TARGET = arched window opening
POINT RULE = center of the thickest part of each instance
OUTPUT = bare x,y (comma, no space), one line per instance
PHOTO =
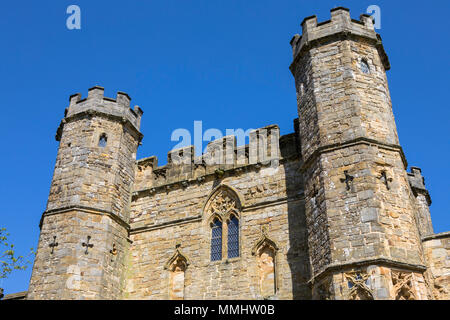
364,66
216,240
223,206
265,251
177,266
233,237
176,279
103,140
267,272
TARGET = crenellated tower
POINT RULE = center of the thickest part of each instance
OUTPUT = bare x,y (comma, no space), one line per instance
363,234
85,228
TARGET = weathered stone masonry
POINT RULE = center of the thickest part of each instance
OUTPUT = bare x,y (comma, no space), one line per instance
337,217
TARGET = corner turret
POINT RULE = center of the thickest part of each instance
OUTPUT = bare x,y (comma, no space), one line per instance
88,209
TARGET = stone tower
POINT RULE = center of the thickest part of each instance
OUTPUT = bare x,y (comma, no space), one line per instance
361,211
84,230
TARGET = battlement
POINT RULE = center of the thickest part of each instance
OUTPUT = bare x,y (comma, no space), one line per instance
417,183
222,156
340,26
97,103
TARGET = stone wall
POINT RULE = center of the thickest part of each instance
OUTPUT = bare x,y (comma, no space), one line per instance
176,221
437,253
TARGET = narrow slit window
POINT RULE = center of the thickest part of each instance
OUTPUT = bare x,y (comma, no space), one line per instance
103,140
233,237
216,240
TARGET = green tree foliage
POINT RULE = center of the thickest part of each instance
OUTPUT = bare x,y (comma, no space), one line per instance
9,261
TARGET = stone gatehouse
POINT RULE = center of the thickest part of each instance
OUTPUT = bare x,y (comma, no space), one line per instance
338,216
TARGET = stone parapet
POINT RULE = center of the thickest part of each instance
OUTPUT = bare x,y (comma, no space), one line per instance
417,183
340,26
437,253
222,157
97,104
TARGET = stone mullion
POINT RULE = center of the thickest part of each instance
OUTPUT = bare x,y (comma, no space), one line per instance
225,239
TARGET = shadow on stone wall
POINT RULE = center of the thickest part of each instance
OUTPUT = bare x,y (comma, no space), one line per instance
297,255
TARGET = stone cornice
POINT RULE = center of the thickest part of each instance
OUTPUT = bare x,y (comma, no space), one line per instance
91,113
16,296
198,218
274,202
85,209
183,182
379,261
340,36
135,230
362,140
441,235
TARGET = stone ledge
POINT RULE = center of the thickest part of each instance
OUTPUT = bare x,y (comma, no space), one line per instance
165,224
197,218
91,113
16,296
90,210
275,202
440,235
362,140
381,261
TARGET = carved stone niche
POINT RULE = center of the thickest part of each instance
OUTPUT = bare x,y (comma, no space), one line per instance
265,250
403,285
357,284
177,266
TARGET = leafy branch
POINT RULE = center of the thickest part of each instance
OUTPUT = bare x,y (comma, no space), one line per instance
9,261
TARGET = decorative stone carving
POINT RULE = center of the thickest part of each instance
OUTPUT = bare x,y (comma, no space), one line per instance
223,202
264,241
53,244
440,288
357,285
403,287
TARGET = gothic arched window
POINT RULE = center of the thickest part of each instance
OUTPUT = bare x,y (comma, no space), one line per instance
222,215
216,240
233,237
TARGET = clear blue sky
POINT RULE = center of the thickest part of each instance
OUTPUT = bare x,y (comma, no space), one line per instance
222,62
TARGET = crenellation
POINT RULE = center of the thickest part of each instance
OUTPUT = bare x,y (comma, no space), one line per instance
221,154
96,103
340,26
